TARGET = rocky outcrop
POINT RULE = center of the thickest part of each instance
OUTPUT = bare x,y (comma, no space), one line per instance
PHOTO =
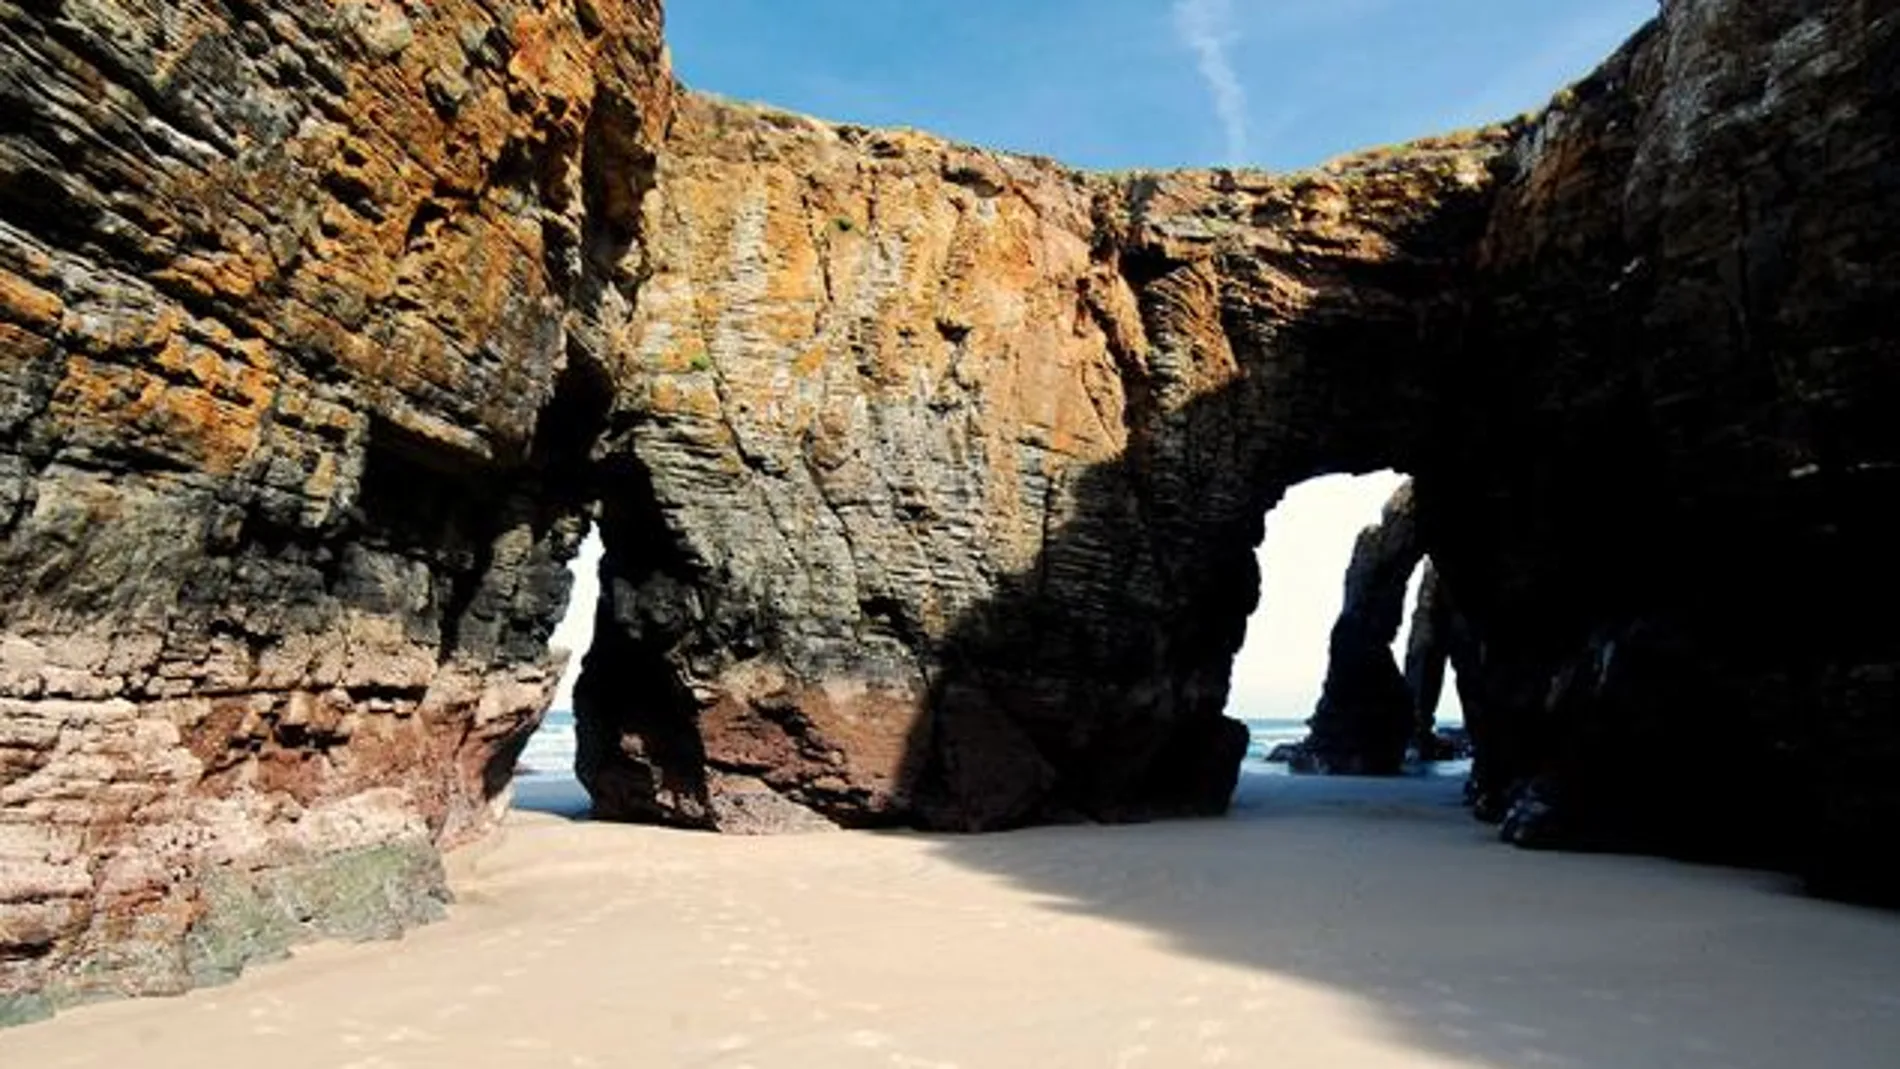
946,466
295,300
1661,497
1427,654
1366,717
928,477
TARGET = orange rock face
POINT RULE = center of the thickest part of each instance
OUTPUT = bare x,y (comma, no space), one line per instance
948,448
285,292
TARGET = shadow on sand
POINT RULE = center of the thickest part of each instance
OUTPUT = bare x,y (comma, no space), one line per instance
1092,687
1388,891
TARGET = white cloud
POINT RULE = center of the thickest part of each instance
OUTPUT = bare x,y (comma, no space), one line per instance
1207,27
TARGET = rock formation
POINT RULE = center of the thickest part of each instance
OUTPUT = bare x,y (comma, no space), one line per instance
950,464
1366,716
1657,492
289,300
1427,653
929,477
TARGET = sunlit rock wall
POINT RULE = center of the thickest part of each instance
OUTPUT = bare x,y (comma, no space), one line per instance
945,467
287,292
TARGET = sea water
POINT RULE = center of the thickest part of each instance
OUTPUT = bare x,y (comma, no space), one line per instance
1264,734
544,777
544,780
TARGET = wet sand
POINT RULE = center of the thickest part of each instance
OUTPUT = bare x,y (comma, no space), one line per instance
1327,923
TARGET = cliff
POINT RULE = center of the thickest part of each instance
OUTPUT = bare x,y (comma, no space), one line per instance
1658,494
950,464
285,294
929,477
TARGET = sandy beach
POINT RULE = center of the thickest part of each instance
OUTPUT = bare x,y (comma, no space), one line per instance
1343,923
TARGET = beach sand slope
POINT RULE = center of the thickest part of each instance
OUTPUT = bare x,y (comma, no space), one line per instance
1326,923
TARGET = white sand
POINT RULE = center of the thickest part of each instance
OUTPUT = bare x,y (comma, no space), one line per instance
1326,924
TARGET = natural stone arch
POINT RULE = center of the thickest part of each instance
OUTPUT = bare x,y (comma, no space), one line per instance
940,467
965,455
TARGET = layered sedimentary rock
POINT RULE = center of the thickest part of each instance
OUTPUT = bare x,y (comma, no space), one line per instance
288,299
946,466
929,477
1662,492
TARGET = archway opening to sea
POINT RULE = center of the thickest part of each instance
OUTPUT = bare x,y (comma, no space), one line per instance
545,780
1298,635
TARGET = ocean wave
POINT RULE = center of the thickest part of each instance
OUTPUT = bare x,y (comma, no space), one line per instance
550,750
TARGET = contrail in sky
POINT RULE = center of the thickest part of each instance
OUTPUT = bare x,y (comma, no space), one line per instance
1207,26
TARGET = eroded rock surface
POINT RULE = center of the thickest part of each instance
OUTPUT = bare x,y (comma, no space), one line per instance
929,477
1427,654
288,300
1664,505
1366,717
951,463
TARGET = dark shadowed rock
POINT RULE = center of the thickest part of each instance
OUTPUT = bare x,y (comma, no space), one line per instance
1668,444
1427,651
1366,716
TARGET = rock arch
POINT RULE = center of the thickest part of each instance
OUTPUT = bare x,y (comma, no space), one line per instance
968,455
929,476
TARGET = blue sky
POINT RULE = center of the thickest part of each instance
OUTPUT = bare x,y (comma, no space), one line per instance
1152,83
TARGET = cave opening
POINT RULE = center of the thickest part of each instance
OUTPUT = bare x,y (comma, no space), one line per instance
619,740
545,780
1343,668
